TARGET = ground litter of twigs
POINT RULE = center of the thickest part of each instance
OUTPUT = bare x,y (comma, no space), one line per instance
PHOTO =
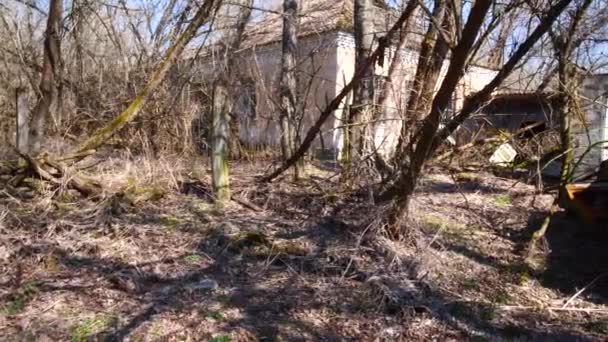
292,262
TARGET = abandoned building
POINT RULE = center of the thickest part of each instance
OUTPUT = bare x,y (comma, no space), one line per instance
514,110
326,63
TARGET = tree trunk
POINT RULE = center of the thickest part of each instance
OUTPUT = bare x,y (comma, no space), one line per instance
429,137
565,44
223,94
360,110
407,180
389,88
497,52
337,101
397,60
22,120
437,57
418,83
219,142
289,85
565,112
100,136
425,60
51,61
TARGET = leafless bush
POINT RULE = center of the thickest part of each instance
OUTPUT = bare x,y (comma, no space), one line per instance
108,51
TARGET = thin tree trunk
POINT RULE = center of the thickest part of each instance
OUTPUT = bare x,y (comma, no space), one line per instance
389,88
567,88
565,112
337,101
223,94
51,62
497,52
364,91
100,136
220,141
22,120
484,94
400,49
424,61
289,85
437,57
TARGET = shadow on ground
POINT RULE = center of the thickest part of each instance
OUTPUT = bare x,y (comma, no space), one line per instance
319,296
575,256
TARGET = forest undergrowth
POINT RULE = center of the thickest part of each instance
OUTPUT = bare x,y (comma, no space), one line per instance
154,259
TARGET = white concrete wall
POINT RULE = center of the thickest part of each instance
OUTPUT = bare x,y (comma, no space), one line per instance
262,66
388,130
329,60
594,128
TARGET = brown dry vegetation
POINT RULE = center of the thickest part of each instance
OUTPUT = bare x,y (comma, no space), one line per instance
156,260
150,254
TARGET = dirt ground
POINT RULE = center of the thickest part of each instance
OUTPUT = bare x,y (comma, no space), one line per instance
157,261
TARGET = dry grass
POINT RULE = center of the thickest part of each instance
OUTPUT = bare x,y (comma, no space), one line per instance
302,267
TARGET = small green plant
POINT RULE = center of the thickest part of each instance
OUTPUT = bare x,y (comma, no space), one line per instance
170,222
487,312
18,300
500,296
138,194
223,338
193,258
15,305
434,222
470,283
83,331
479,338
460,310
156,332
600,327
224,299
215,315
467,177
503,200
449,227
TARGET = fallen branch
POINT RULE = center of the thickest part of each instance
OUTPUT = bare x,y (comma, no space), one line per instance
246,204
529,307
583,289
501,138
53,172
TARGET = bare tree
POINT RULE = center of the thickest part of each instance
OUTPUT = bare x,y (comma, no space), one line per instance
564,36
364,92
428,137
289,83
342,95
223,92
563,42
100,136
433,52
21,110
50,66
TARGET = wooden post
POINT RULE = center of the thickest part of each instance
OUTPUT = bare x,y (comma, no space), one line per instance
219,143
22,120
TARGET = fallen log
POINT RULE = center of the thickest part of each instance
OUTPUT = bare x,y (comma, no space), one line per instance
49,170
